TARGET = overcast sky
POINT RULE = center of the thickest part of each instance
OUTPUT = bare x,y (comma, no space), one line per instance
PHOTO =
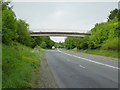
63,16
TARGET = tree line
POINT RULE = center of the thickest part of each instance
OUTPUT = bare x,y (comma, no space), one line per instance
105,35
17,30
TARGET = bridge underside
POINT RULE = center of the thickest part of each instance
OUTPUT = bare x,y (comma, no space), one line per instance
56,35
60,34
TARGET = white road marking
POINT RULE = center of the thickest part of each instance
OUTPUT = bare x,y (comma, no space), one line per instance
81,66
89,60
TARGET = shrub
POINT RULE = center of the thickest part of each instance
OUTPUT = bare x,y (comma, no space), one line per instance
111,44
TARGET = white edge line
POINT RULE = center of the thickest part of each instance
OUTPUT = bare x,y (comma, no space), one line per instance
90,60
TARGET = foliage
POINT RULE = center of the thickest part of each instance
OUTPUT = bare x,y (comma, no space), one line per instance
8,24
36,41
111,44
113,14
18,30
82,43
41,41
102,52
19,61
102,32
23,32
48,41
104,35
78,42
70,42
18,65
43,45
59,45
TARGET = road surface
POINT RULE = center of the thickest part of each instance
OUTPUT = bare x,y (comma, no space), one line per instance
80,70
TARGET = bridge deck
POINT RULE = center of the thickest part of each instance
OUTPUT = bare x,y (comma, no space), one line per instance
59,34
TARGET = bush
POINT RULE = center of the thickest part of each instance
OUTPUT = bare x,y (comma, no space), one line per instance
43,45
111,44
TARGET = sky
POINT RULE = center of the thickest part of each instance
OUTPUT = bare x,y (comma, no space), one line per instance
63,16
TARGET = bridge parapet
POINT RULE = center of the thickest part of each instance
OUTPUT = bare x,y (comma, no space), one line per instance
67,34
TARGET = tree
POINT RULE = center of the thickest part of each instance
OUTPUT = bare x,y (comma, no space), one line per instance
102,35
23,33
43,45
70,43
114,14
8,24
39,40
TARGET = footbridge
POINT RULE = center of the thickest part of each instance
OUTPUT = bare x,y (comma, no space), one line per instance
62,34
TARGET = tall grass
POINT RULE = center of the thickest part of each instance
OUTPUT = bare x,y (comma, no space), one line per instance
111,44
0,66
108,53
19,63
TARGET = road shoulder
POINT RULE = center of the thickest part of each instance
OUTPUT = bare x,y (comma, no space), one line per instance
46,77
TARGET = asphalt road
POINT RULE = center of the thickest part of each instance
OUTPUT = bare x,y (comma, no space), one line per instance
80,70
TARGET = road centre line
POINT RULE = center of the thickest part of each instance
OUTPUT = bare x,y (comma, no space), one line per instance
89,60
81,66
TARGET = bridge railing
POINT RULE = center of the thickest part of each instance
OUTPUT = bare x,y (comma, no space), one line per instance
59,34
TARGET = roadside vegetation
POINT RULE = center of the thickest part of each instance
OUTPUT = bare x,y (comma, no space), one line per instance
100,52
17,30
103,41
21,53
19,64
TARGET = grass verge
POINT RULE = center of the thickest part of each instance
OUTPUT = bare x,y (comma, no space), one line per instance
0,66
113,54
18,65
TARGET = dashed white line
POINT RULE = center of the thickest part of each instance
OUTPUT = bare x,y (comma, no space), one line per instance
89,60
81,66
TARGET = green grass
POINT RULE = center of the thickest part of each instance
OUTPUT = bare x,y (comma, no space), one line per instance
0,66
101,52
19,64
